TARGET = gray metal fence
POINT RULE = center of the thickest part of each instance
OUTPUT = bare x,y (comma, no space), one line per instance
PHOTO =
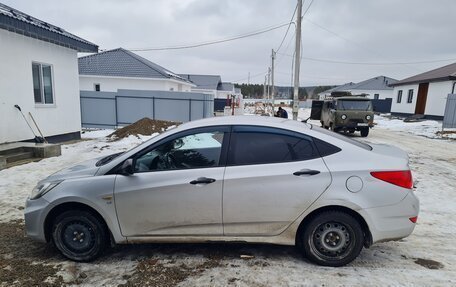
382,106
113,109
449,118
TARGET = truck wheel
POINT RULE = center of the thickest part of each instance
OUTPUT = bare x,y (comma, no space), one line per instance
332,238
364,132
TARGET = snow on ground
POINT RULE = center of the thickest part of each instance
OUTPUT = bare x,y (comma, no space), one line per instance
432,161
17,182
427,128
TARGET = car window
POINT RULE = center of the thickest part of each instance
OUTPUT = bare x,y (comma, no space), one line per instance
261,145
199,150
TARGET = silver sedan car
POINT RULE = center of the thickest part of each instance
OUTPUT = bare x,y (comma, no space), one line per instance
240,179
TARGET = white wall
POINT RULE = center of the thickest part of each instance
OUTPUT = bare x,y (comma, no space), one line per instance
403,106
16,87
111,84
436,98
435,102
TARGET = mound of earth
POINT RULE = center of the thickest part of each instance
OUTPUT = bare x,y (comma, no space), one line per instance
144,126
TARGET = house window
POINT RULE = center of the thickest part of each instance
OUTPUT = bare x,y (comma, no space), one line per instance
410,96
42,83
376,96
399,96
97,87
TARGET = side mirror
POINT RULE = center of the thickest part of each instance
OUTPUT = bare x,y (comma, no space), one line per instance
127,167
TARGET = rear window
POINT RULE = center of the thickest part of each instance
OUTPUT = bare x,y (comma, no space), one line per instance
341,137
264,145
354,105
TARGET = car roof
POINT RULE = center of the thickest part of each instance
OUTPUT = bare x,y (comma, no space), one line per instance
246,120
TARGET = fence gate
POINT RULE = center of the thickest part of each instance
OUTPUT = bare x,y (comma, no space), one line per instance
449,118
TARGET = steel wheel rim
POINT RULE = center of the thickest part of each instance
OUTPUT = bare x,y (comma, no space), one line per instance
332,240
78,236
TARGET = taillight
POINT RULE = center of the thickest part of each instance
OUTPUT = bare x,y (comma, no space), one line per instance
413,219
401,178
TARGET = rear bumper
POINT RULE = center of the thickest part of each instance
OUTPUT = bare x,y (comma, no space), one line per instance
392,222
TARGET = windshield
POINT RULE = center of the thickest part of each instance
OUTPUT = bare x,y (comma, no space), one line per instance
354,105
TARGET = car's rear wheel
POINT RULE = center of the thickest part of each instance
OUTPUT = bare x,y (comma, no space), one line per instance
364,132
79,235
332,238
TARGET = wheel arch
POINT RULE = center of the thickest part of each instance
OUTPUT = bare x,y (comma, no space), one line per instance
66,206
356,215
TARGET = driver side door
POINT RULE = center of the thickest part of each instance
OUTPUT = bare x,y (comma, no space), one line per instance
176,188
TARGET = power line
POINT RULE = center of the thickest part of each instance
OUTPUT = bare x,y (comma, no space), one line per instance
251,77
196,45
288,28
369,63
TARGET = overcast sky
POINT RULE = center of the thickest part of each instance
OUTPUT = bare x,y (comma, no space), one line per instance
386,31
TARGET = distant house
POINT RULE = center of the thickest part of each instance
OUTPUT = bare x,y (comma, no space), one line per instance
40,74
212,84
116,69
375,88
424,94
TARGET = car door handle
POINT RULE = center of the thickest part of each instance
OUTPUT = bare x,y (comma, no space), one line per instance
306,172
202,180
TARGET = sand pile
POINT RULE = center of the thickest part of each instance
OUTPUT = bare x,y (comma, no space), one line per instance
144,126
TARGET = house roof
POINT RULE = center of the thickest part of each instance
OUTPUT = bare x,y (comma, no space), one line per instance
229,87
18,22
206,82
377,83
343,87
123,63
447,72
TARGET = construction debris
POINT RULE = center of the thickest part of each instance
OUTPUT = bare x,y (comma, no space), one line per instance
144,126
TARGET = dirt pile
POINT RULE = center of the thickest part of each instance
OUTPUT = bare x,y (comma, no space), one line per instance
144,126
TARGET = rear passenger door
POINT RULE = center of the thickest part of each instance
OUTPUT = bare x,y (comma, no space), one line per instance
272,176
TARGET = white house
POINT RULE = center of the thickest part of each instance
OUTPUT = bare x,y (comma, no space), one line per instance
424,94
39,74
116,69
212,84
375,88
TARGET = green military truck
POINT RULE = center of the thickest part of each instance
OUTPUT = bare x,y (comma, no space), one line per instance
344,112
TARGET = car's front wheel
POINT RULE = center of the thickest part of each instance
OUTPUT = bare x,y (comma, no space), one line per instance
332,238
79,235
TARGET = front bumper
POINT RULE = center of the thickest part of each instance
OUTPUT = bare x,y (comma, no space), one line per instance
392,222
35,214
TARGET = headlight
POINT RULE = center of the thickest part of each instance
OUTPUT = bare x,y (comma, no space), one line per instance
368,117
343,117
42,188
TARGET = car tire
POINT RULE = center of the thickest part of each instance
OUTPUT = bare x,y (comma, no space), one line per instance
365,132
79,235
332,238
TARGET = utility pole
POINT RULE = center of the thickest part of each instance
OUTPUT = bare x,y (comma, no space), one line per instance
297,62
248,79
264,86
272,80
269,85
